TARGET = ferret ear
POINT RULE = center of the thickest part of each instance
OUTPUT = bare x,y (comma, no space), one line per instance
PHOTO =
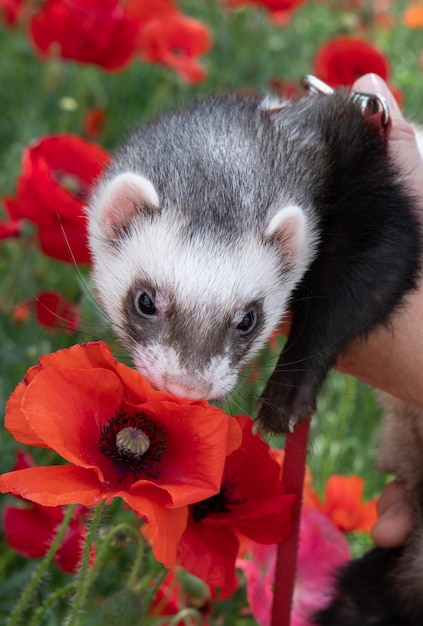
288,227
125,197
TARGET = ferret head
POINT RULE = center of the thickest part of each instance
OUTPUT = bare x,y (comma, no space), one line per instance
192,308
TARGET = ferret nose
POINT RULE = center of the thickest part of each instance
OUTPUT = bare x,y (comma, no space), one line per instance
189,393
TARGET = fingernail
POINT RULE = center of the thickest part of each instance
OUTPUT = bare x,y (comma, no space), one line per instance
372,83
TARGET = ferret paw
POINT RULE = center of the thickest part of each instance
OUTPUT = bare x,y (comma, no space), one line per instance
280,413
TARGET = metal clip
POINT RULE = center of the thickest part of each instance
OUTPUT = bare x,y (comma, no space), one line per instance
370,103
315,86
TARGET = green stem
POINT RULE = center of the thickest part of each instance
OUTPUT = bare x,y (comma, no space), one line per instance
132,579
51,600
149,586
82,586
124,526
45,563
186,614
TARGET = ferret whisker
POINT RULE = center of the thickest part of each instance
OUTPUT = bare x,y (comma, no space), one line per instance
77,268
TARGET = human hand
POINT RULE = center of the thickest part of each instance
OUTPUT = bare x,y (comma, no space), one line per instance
392,359
403,146
395,517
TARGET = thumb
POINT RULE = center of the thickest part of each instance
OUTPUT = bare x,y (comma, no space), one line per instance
374,84
402,139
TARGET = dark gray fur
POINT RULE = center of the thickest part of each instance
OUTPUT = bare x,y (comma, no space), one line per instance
221,163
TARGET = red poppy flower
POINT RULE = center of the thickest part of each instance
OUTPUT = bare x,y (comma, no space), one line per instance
177,41
10,229
94,121
51,192
342,60
122,439
251,502
54,311
343,504
280,10
31,530
11,10
143,12
271,5
21,313
93,31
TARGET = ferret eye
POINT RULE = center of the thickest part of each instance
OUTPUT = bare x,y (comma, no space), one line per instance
248,323
144,304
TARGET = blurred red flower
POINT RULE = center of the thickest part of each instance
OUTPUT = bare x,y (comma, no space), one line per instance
279,10
251,503
93,31
9,229
54,311
11,10
176,41
143,12
342,60
122,439
51,192
343,504
30,530
94,121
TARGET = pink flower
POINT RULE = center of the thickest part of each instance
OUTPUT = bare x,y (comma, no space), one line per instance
322,549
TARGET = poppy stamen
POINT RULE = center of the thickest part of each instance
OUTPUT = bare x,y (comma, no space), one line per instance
134,443
220,503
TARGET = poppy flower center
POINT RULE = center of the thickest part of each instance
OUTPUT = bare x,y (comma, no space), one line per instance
220,503
135,444
71,182
132,440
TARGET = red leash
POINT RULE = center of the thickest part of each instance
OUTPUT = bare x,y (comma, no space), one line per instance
286,562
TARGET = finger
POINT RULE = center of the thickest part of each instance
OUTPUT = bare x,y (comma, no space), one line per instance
395,517
402,140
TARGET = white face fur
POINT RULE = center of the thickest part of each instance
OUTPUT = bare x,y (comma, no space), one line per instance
191,312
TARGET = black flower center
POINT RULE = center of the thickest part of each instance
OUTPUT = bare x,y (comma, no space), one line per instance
220,503
134,443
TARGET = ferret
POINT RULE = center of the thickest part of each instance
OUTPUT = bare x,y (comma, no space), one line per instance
384,587
217,220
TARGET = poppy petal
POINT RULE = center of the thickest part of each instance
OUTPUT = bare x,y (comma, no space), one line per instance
17,523
191,468
54,485
265,521
164,530
66,406
214,566
16,422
